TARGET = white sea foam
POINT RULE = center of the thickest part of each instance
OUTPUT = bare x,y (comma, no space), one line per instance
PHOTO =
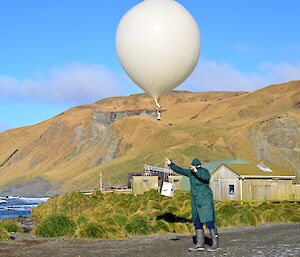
9,197
34,200
15,206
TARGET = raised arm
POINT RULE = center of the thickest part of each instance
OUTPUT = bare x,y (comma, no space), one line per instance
184,172
203,175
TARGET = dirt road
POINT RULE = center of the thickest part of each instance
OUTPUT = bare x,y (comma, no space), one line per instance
269,240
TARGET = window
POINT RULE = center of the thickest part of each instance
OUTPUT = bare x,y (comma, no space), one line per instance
145,180
176,180
231,189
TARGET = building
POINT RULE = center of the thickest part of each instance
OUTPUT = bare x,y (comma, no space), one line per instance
162,173
211,166
182,182
129,178
142,184
253,182
177,181
152,178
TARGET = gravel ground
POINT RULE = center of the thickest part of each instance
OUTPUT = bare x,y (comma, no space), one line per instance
267,240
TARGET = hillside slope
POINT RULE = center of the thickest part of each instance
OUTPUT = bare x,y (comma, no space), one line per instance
118,135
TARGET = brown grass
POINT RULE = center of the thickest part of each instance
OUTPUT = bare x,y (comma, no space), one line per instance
218,131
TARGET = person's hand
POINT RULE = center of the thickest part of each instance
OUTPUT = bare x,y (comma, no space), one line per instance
193,168
167,161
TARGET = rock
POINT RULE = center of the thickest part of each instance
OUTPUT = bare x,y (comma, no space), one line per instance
35,187
275,140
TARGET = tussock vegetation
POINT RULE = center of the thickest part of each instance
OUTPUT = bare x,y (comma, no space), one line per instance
10,225
116,216
56,225
7,226
4,235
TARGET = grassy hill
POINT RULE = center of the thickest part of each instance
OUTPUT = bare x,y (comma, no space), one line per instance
118,135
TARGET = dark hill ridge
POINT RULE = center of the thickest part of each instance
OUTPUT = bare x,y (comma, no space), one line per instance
118,135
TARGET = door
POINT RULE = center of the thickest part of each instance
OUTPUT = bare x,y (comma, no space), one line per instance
217,190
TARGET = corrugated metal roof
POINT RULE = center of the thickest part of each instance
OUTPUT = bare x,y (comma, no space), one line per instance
252,170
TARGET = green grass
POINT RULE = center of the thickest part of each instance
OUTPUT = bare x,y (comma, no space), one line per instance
10,225
115,216
7,226
138,225
4,235
55,226
92,230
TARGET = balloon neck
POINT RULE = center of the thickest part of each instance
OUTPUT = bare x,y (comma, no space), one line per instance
157,104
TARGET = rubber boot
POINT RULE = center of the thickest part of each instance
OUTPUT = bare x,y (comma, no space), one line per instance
215,240
199,241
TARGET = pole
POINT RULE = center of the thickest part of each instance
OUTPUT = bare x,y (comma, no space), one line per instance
100,184
241,189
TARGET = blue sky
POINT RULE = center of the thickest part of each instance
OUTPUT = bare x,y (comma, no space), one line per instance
55,54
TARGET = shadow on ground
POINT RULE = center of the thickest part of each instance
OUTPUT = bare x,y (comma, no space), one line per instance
171,218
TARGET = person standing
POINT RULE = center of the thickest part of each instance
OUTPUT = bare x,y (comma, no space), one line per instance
203,210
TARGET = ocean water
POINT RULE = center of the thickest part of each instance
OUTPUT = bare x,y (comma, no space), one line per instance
12,207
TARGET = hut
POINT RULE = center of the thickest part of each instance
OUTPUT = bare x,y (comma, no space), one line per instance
211,166
129,178
177,181
253,182
141,184
153,178
162,173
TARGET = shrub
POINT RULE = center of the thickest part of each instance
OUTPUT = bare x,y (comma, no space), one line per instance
82,220
270,215
116,216
10,225
121,220
247,217
4,235
180,228
92,230
133,208
162,226
153,195
138,226
171,209
187,214
56,225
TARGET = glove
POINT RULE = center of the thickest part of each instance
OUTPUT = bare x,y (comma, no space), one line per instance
193,168
168,161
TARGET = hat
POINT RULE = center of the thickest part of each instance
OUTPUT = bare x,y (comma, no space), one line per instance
196,162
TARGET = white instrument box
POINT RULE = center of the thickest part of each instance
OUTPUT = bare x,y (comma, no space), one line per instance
167,189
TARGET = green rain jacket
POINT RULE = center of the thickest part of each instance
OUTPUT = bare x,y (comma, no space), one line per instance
201,194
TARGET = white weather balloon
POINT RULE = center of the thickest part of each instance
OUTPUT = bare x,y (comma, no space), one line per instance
158,44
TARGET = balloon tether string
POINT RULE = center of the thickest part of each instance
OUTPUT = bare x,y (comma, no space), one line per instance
157,104
158,113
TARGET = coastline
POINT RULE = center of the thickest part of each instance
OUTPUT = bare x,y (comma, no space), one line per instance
14,207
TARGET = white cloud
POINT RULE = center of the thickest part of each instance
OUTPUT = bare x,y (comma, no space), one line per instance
75,83
218,76
214,76
86,83
281,72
